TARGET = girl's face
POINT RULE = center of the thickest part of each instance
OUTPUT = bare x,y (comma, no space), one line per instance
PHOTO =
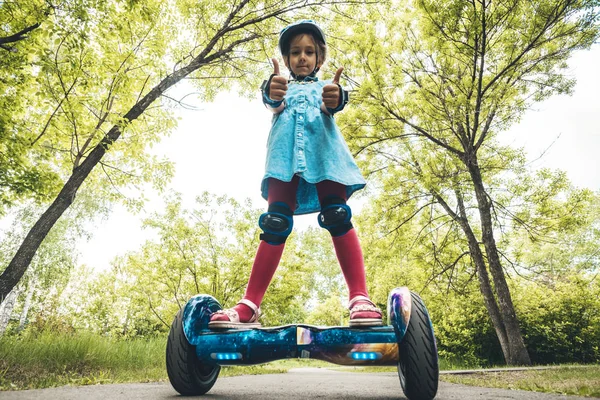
303,56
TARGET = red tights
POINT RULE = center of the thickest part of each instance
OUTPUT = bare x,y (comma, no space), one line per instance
347,248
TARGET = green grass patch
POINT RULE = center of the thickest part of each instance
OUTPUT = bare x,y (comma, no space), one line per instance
567,380
49,360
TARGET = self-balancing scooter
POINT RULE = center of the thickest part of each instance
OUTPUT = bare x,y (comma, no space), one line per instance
196,353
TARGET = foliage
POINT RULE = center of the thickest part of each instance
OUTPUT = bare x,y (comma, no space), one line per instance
427,91
54,358
436,82
463,330
85,65
23,173
552,276
329,312
40,291
113,115
207,250
66,88
51,359
553,227
319,257
561,320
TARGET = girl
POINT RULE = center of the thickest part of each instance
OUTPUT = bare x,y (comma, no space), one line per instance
309,168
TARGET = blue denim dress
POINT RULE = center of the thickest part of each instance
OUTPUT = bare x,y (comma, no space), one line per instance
306,142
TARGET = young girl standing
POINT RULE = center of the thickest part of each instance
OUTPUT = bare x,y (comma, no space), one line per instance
309,168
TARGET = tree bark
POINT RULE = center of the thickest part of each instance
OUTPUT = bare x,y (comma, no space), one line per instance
6,309
517,354
21,35
27,304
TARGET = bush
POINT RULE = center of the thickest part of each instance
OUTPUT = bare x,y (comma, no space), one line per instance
463,329
561,321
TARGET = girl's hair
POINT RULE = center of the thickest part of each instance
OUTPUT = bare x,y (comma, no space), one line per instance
320,46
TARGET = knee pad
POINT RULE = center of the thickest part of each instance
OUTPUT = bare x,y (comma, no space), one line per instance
276,223
335,216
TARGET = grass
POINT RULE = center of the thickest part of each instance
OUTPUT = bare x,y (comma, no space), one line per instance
49,360
569,380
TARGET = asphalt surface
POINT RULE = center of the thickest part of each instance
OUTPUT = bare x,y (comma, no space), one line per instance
301,383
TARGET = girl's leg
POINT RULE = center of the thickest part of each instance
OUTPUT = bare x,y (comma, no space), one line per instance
348,252
267,256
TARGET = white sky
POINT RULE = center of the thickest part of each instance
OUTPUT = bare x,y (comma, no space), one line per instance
221,149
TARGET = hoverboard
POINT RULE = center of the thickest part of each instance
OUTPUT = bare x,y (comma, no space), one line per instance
196,353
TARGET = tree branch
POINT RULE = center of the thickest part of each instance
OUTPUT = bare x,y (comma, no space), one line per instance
21,35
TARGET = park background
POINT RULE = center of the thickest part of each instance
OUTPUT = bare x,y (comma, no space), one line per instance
173,211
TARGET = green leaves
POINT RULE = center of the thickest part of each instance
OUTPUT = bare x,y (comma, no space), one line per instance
71,80
208,249
434,85
560,320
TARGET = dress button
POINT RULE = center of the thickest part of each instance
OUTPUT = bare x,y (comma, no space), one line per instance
300,117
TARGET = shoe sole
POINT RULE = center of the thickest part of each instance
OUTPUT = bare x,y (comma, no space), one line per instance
233,325
366,322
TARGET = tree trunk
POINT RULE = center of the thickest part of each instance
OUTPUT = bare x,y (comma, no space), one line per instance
484,281
6,309
27,305
517,351
482,274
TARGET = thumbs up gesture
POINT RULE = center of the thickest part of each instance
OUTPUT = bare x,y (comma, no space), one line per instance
331,92
278,86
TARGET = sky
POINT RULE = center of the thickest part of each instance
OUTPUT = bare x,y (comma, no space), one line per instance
221,148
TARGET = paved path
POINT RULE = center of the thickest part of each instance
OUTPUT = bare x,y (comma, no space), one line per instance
300,383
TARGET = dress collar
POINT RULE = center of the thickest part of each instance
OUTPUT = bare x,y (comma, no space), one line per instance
306,79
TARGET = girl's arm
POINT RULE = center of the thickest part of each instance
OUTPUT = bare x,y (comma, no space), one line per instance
280,108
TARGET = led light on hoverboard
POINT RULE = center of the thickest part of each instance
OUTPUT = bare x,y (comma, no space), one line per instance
226,356
368,355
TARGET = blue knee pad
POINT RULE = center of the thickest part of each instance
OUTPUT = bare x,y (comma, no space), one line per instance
335,216
276,223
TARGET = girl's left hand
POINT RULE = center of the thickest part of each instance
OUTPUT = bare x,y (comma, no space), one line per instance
331,91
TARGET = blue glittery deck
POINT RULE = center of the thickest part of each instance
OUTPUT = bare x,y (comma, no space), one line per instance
339,345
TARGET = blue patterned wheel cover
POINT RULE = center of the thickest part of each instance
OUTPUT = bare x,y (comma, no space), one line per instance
196,314
399,306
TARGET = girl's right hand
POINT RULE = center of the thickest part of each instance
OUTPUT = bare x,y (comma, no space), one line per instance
278,86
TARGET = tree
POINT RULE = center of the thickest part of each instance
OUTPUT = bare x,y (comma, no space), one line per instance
549,235
437,82
24,173
51,268
209,250
107,66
